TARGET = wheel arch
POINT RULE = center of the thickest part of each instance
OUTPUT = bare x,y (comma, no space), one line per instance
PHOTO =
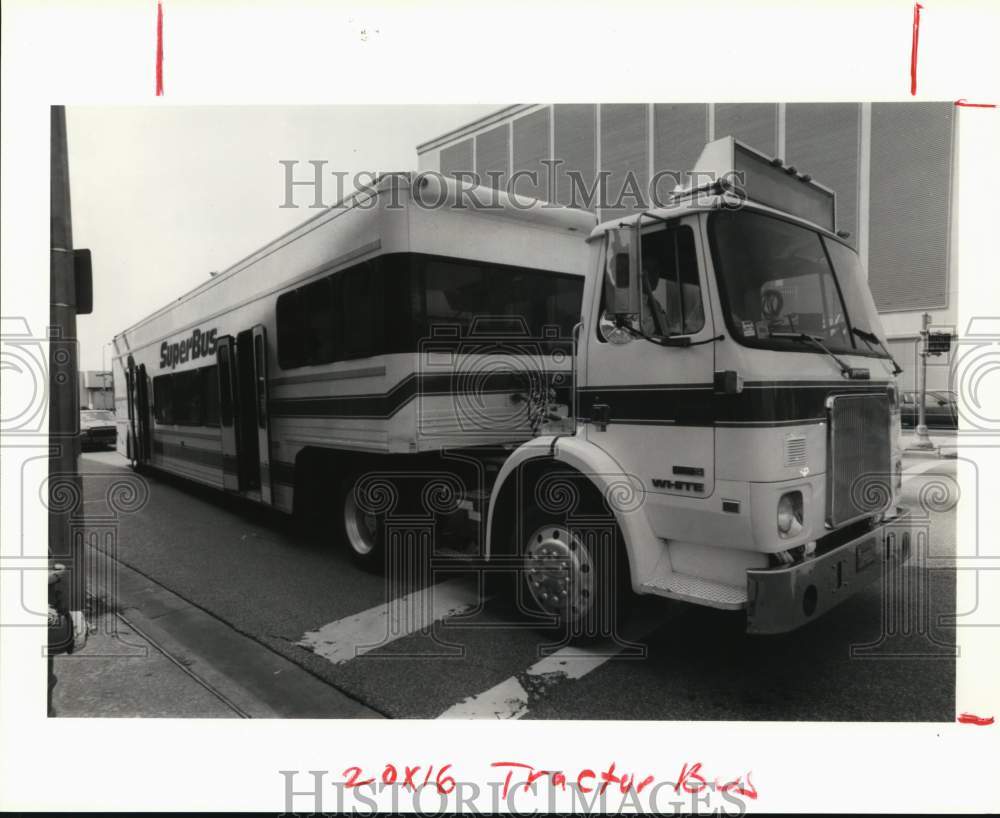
624,494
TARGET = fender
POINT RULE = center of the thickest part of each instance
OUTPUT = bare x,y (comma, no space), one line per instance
625,494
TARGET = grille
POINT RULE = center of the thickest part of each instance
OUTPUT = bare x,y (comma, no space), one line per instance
859,478
795,451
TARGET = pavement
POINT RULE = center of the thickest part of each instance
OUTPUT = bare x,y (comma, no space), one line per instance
151,653
208,607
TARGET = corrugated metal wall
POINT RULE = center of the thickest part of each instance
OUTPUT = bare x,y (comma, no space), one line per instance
680,131
625,156
457,158
531,145
910,190
823,139
911,153
575,144
493,157
755,123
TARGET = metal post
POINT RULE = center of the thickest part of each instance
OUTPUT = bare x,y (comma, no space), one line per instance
64,395
923,441
105,385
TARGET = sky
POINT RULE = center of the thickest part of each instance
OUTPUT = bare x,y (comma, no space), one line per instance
164,196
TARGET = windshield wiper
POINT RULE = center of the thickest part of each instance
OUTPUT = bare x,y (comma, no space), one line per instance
854,373
871,338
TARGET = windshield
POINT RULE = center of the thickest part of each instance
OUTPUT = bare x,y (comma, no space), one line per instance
97,415
861,309
776,279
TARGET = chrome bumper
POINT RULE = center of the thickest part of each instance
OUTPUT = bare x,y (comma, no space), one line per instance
783,599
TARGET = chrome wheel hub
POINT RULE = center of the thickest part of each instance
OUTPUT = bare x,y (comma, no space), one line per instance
361,528
558,571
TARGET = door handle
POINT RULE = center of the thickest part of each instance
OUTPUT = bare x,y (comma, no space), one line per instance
600,416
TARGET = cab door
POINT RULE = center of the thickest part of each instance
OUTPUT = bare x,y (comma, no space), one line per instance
648,404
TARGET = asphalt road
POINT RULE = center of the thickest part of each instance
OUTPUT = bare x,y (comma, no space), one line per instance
299,594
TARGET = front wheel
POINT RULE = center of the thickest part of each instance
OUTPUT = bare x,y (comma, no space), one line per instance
573,573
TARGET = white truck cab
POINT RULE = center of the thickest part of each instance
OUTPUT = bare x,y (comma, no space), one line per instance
736,409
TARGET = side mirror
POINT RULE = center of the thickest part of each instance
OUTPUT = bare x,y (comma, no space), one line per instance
622,272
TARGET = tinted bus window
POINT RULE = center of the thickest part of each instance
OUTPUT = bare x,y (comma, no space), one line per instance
289,321
210,391
488,297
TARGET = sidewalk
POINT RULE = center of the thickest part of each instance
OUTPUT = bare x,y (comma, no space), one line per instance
118,673
150,653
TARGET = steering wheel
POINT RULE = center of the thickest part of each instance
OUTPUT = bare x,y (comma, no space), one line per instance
771,303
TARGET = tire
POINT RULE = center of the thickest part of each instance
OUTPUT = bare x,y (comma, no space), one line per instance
363,530
573,572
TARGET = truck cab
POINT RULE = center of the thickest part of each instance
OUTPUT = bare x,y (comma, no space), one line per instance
736,433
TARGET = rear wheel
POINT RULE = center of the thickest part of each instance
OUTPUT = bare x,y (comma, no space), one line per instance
364,530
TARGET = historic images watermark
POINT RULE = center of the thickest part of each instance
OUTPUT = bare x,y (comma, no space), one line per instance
312,185
515,787
88,506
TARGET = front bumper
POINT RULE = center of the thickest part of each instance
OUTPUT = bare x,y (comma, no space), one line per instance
100,436
783,599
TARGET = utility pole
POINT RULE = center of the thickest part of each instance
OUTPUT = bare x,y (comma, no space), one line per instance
70,293
923,441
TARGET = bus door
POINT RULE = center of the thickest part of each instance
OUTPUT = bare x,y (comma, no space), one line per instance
144,410
245,423
139,443
130,438
263,424
225,354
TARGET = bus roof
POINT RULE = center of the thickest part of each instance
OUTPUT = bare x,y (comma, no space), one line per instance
426,190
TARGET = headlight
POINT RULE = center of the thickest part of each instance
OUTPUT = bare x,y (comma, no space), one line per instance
790,514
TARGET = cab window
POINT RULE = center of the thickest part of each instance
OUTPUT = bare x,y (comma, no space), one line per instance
671,294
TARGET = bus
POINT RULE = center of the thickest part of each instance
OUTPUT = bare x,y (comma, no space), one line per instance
694,401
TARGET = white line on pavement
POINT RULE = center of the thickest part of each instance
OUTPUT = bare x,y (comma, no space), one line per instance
353,636
510,699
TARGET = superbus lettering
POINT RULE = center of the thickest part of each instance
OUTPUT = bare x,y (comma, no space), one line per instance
198,345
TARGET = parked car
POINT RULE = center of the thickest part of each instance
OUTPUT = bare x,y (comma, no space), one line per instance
940,409
97,429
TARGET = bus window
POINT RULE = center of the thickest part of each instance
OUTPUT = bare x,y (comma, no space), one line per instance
361,314
226,389
210,394
163,399
290,336
316,316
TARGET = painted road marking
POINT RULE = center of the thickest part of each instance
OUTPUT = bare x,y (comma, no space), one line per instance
510,699
356,635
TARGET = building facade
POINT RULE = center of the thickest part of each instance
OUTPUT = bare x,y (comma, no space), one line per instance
96,390
892,166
